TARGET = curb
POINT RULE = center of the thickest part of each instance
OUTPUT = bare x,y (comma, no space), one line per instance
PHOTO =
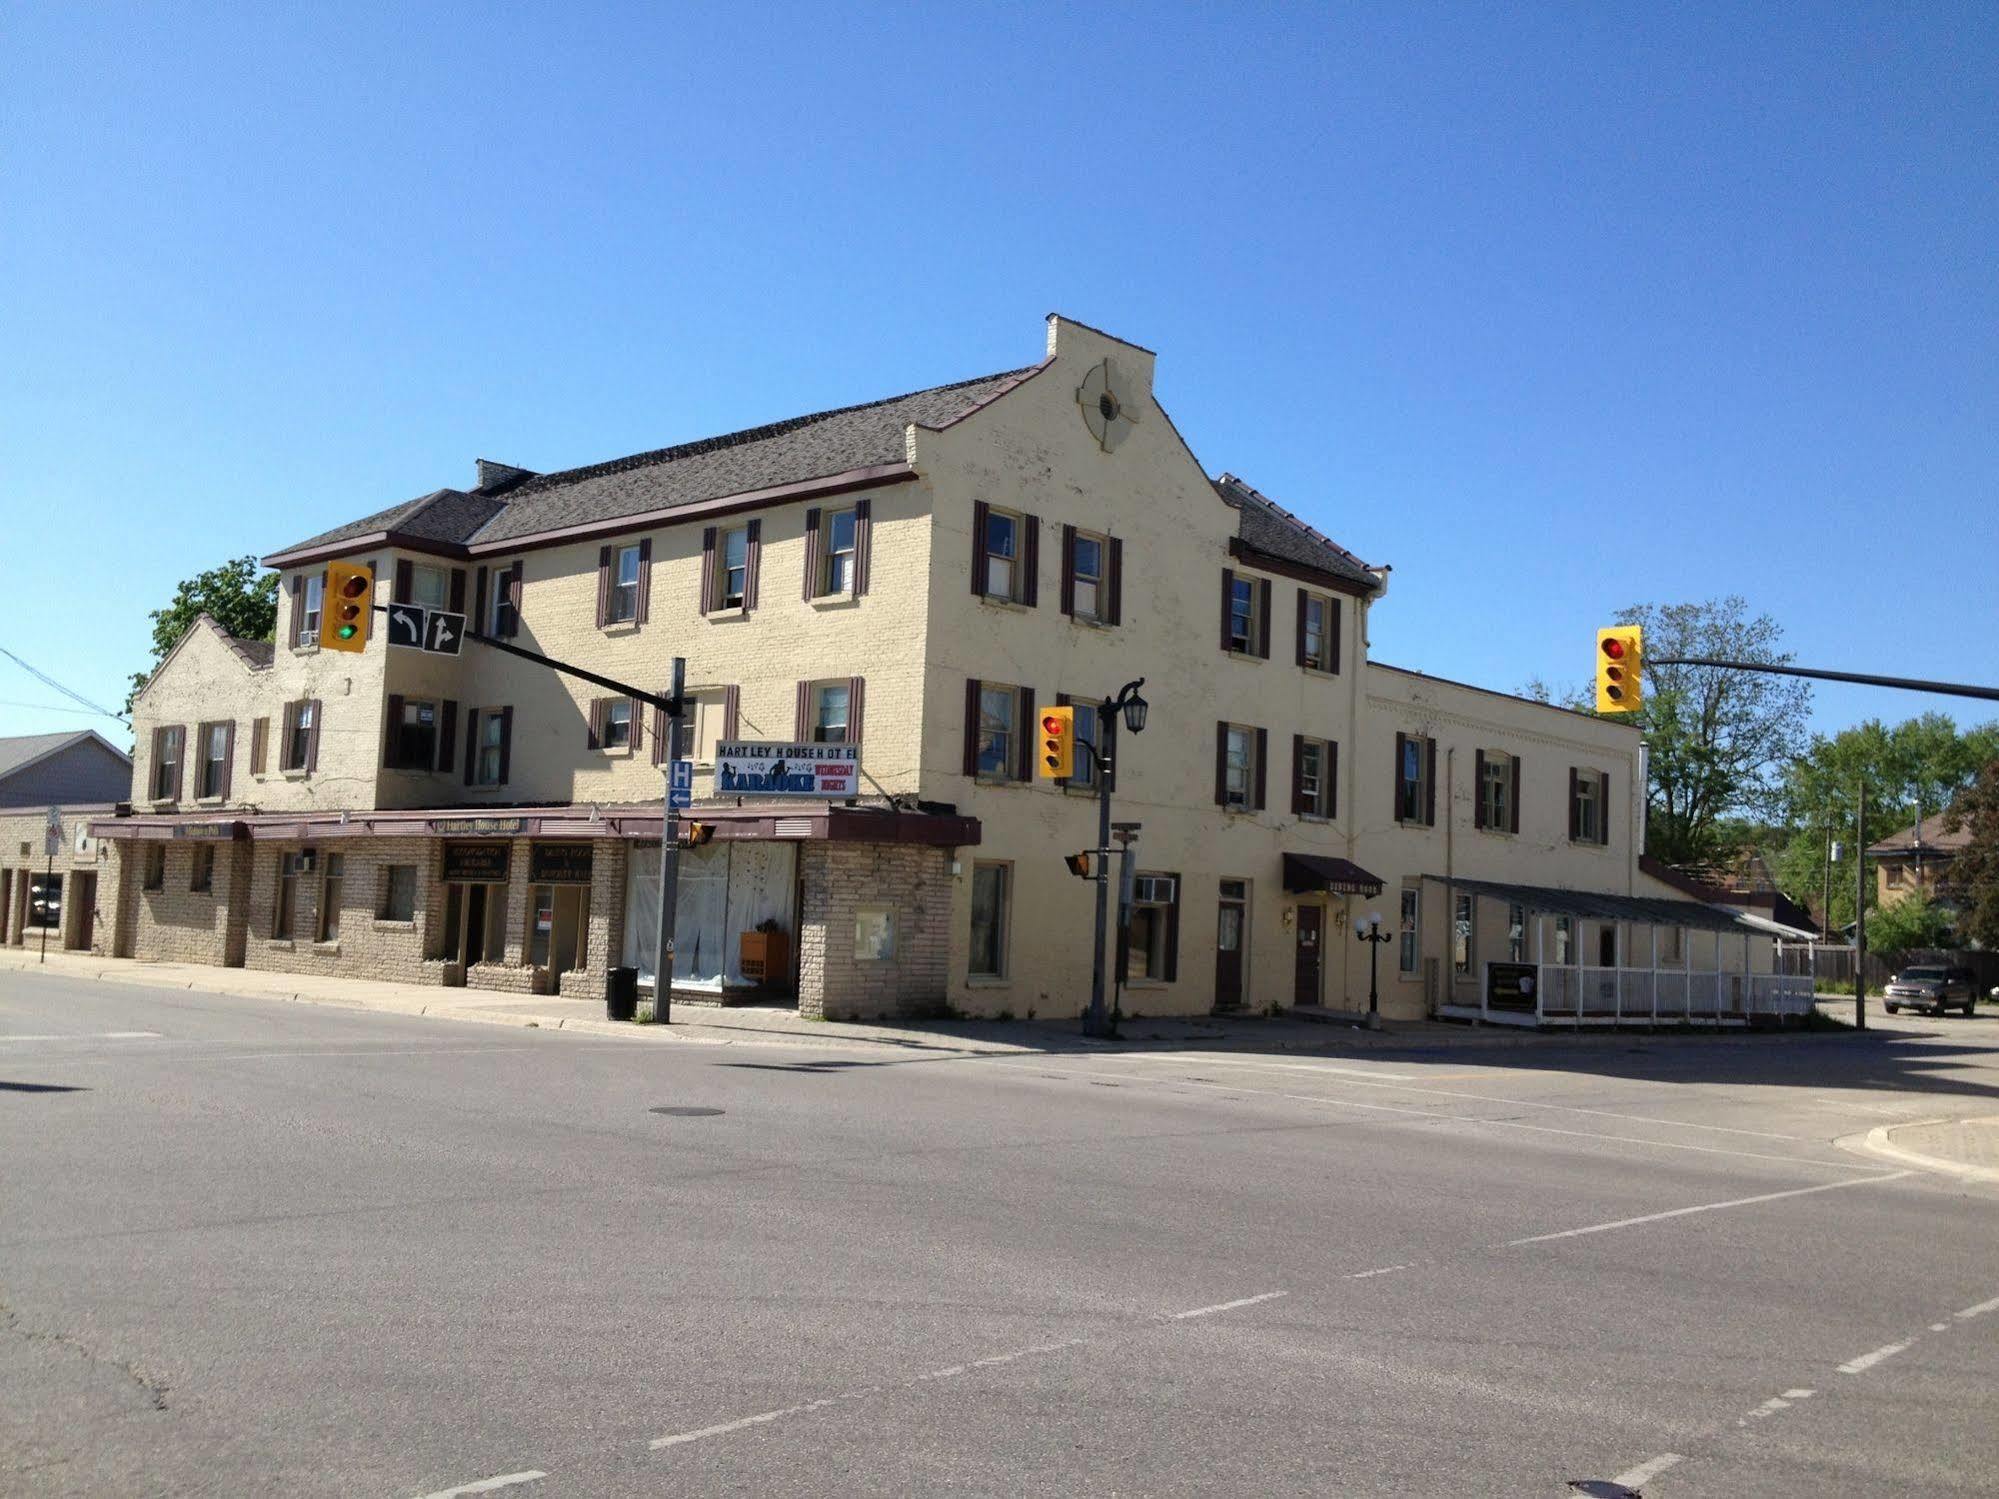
1879,1142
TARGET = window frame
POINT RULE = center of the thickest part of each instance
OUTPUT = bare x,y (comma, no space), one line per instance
1464,943
296,734
385,893
612,743
1242,587
201,868
1246,767
1083,767
1414,808
1015,523
884,951
312,603
1001,926
1160,926
404,759
153,873
332,887
1317,805
491,722
1008,768
1095,581
624,601
1321,659
169,751
284,905
836,558
822,693
1409,930
724,537
423,570
1495,792
216,759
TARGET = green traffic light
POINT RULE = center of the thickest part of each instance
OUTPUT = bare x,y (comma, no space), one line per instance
346,632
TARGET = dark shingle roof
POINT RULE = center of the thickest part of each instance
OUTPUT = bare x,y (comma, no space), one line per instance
1268,527
787,452
256,654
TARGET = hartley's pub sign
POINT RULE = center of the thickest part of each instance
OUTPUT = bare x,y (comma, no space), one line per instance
750,768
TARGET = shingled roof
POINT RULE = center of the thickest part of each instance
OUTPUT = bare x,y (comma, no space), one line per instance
1266,526
793,451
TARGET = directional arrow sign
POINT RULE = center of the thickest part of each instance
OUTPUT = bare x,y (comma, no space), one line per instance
406,625
680,786
444,632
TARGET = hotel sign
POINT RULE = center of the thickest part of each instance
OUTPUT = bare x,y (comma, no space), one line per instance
559,864
476,863
749,768
475,826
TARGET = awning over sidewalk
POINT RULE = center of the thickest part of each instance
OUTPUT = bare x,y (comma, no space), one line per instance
1308,873
1595,905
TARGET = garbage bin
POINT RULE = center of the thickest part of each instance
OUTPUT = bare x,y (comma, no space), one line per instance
621,994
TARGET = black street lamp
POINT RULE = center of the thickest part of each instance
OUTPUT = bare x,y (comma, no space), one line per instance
1368,930
1103,755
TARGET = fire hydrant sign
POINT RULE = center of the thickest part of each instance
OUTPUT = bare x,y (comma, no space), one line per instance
751,768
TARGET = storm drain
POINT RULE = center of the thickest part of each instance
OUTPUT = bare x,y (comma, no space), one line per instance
683,1110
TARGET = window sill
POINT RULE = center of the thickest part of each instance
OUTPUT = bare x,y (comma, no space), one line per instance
1497,832
615,751
996,601
328,949
993,780
620,627
280,944
835,601
308,649
1319,671
1251,656
1318,817
1131,985
728,612
988,981
1091,622
152,889
385,924
295,775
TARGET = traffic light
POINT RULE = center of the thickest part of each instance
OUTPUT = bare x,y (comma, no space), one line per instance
694,834
1620,687
1079,865
1058,742
348,606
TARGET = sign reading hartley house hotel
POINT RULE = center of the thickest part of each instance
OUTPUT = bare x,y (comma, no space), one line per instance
749,768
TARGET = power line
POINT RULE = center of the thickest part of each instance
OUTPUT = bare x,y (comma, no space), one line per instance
10,702
48,681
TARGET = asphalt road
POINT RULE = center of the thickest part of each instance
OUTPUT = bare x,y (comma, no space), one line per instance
249,1247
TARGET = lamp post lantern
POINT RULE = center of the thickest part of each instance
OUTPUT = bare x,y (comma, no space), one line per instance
1096,1021
1368,930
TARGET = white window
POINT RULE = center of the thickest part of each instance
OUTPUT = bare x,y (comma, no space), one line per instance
1242,615
429,586
1315,778
1239,774
1461,935
1088,576
1149,948
167,744
1084,771
499,602
1409,953
1318,644
618,723
214,754
491,743
308,619
1411,781
1516,933
831,706
1588,820
837,570
1003,578
1495,792
625,586
874,934
999,712
989,920
733,559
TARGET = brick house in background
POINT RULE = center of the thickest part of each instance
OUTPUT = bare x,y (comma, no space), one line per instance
913,576
1916,860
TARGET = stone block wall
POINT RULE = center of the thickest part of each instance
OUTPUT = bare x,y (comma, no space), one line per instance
22,860
836,882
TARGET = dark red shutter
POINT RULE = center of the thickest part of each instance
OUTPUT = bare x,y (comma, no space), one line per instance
1603,808
405,580
1172,963
813,559
447,733
972,726
1478,791
604,556
707,569
1304,602
298,610
1332,774
1114,582
857,688
1262,766
662,732
753,547
1333,635
593,733
1228,601
471,743
260,739
1221,763
1430,782
644,606
1575,811
1401,753
1069,570
506,744
802,714
479,602
979,546
312,739
228,756
1024,734
1030,561
456,598
1513,799
1263,618
510,622
731,707
864,543
392,734
1298,775
638,724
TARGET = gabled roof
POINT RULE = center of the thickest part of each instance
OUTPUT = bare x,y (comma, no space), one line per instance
22,750
1267,527
1930,833
256,655
794,451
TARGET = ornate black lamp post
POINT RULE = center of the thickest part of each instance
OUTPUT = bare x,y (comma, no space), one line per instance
1103,755
1368,930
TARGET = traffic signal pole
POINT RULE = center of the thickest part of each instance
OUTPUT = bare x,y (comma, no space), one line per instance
669,852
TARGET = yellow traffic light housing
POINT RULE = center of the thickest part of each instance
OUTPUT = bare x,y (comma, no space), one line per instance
695,834
1620,684
1058,742
1079,866
347,607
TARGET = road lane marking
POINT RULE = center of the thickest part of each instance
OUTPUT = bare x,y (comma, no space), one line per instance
92,1036
1384,1270
1704,1207
1799,1394
1978,1311
487,1485
1631,1478
1225,1306
1939,1327
1867,1361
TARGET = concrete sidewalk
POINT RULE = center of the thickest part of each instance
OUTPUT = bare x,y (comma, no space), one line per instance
715,1025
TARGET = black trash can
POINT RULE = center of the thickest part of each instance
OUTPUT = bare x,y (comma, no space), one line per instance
621,994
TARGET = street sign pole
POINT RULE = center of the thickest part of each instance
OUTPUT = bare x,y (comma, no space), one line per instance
1860,911
669,851
51,837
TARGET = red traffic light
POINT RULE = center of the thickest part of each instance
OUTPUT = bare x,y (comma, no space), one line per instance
1050,724
1614,648
354,587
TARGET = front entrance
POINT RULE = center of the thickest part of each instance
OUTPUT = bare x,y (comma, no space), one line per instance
1311,926
1230,919
83,901
555,931
475,923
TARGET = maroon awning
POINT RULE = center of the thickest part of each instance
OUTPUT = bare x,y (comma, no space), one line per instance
1306,874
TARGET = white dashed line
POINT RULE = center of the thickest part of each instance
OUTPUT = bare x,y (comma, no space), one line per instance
487,1485
1704,1207
1799,1394
1978,1311
1631,1478
1939,1327
94,1036
1384,1270
1867,1361
1225,1306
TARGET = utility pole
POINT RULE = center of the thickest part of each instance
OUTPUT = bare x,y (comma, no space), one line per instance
669,849
1860,910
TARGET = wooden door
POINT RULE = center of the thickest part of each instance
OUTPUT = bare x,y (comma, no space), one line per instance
83,895
1311,927
1231,919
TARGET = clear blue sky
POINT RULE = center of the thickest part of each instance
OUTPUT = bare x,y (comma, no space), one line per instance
1554,308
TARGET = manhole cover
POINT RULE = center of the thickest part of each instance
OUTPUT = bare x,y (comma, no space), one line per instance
684,1111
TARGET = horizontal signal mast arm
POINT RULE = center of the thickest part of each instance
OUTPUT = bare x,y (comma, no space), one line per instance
625,689
1911,684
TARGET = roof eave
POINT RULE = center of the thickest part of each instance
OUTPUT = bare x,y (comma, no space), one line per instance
1304,572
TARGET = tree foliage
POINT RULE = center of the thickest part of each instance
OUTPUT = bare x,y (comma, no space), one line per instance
241,596
1973,878
1909,924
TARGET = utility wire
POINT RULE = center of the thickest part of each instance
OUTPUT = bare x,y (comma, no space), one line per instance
48,681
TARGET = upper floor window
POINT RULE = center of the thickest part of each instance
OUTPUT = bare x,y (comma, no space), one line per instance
735,567
1084,771
1497,788
429,586
705,721
1005,554
168,746
415,734
300,738
500,600
625,586
214,765
836,550
1318,632
613,723
312,600
489,746
1894,876
831,703
1415,779
1314,763
1589,806
1086,576
841,544
1002,555
997,745
1245,614
1239,767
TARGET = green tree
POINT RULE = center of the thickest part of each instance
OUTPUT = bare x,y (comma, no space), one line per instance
1973,878
1905,925
241,596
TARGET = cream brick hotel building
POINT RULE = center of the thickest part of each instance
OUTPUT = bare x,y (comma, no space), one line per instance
913,576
